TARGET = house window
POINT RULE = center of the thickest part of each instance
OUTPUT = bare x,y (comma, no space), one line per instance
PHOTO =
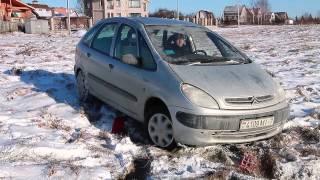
118,3
134,3
135,14
145,7
110,4
88,4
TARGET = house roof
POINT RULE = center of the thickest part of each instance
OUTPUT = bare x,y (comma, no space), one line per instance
206,13
232,9
20,3
255,11
40,6
157,21
282,15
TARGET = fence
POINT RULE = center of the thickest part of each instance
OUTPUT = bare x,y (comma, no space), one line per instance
9,26
60,23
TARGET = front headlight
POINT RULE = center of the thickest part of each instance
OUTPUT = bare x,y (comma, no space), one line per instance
199,97
281,94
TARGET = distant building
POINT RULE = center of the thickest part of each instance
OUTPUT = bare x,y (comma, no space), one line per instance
277,18
204,18
281,17
15,10
43,11
231,15
59,11
101,9
257,16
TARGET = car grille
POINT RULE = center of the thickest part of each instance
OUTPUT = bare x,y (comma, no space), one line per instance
249,100
246,134
231,123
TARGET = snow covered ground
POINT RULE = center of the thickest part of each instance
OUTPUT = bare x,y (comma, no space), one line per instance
44,133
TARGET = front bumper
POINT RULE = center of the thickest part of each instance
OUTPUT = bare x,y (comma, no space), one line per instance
200,137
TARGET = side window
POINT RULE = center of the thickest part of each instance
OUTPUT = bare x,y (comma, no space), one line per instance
126,43
146,55
89,36
103,40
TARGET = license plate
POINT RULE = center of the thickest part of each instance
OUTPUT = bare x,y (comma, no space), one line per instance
256,123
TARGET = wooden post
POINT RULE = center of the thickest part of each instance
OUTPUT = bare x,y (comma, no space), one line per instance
68,21
90,22
51,21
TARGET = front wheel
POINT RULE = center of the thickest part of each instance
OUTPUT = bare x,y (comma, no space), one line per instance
160,129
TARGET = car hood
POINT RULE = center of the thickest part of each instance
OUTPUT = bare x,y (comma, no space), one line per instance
235,82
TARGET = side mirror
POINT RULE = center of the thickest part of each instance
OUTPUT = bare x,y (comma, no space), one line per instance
130,59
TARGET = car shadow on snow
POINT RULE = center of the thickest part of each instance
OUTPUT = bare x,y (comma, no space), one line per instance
61,87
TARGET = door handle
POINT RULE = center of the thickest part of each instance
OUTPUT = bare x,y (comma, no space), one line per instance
145,80
88,54
111,66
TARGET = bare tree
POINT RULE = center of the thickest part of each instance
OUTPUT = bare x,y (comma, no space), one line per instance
264,5
318,14
166,13
80,6
253,3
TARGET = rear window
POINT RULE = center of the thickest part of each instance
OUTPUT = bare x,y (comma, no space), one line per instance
90,34
103,40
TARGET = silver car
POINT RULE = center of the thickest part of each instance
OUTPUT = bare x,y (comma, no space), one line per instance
184,82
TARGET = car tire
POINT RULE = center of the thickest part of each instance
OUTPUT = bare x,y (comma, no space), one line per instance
83,90
160,128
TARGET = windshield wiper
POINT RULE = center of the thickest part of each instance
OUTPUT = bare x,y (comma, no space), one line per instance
209,60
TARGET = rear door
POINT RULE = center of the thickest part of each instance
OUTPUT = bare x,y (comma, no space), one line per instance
98,65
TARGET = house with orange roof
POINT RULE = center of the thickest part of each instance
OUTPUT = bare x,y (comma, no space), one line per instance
15,11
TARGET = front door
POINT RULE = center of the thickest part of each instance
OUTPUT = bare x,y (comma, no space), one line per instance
131,80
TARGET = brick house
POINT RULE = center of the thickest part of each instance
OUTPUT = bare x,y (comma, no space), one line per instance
15,11
231,15
257,16
204,18
276,18
281,18
101,9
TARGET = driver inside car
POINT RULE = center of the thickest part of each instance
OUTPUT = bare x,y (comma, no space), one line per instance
179,46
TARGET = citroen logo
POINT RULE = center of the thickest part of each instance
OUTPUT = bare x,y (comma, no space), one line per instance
254,100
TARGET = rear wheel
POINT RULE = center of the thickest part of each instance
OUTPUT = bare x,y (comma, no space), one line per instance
160,128
83,90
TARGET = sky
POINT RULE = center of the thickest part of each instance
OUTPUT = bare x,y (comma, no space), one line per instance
293,7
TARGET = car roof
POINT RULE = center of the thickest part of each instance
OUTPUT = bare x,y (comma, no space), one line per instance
155,21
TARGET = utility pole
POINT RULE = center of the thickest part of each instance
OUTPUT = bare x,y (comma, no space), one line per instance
177,9
68,21
238,15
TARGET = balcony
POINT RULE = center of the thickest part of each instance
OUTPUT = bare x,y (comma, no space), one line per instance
134,4
110,5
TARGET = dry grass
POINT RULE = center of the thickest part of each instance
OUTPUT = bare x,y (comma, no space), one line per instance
140,169
268,166
50,121
309,135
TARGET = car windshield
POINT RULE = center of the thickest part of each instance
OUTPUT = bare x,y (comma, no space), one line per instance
186,45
